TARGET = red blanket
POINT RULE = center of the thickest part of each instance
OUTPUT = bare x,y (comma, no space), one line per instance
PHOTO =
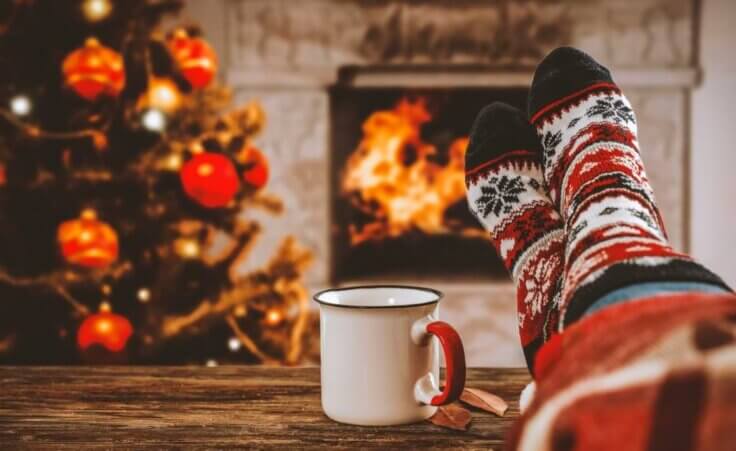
652,374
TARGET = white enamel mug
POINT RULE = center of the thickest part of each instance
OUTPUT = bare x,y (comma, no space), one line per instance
380,355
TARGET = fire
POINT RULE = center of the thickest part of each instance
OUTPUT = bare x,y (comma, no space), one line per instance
393,177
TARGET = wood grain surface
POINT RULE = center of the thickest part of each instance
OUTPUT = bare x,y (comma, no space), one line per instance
224,407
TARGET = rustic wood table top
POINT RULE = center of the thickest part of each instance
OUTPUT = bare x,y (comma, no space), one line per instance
222,407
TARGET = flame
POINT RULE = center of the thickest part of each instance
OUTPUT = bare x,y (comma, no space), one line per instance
391,177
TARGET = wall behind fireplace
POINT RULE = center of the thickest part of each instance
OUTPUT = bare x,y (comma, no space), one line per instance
650,44
713,188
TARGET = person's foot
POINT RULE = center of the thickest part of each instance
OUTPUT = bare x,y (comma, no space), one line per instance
506,193
615,236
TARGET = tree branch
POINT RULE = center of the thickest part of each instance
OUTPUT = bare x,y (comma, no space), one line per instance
240,294
246,341
52,282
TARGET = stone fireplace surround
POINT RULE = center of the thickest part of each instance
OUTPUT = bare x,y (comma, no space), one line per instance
289,53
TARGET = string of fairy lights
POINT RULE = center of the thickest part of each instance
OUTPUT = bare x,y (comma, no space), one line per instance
94,71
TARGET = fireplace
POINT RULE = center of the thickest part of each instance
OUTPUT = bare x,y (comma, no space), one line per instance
397,191
322,67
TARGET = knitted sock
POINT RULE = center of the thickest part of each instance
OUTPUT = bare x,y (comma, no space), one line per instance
506,193
615,236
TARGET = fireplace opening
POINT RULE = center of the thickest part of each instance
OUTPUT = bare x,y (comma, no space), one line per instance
398,194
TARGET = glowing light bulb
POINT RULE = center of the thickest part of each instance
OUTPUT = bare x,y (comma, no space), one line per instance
144,295
95,10
240,311
190,249
273,317
196,148
154,120
163,94
172,162
186,247
21,105
234,344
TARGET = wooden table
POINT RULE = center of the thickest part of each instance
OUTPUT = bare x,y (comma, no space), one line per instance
221,407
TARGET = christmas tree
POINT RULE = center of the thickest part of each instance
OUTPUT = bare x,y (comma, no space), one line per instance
126,182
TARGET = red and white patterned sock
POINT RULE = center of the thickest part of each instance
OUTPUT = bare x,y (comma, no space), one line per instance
615,236
503,175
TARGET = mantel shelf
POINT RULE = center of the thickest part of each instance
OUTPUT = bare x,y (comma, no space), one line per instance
438,77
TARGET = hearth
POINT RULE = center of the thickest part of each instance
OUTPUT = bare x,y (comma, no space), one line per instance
308,61
397,190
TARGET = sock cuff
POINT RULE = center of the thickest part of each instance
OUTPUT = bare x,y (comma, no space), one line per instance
627,273
639,291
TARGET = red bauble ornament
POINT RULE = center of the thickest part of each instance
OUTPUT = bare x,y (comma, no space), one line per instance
210,179
195,58
255,173
109,330
94,70
88,241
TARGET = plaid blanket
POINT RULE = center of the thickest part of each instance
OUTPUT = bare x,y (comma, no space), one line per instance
655,374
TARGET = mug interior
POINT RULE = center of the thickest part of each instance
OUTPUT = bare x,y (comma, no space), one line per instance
382,296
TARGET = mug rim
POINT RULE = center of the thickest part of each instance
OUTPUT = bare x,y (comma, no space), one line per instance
439,295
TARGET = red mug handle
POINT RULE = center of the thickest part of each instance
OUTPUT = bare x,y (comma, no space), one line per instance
452,347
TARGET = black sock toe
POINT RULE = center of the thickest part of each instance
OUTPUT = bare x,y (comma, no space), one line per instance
564,71
497,129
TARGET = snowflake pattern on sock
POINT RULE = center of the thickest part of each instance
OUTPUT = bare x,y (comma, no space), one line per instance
610,107
550,141
500,195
